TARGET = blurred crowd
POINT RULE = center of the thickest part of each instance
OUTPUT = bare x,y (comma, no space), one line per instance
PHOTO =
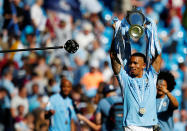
27,79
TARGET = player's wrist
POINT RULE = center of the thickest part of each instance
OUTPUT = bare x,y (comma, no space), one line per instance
166,92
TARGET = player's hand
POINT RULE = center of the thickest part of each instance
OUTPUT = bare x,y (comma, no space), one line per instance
49,113
81,117
163,89
52,112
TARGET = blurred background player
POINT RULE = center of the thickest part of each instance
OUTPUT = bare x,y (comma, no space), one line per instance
60,109
108,107
166,102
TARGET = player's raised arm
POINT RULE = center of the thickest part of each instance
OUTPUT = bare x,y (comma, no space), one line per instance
116,65
156,63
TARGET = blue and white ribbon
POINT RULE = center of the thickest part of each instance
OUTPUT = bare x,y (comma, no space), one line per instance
153,37
122,49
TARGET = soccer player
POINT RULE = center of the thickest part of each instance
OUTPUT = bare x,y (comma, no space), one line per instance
60,109
166,102
106,110
138,88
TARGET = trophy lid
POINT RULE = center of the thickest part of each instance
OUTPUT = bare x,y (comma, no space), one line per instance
135,17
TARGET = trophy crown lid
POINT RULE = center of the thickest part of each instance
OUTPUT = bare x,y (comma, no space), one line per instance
135,16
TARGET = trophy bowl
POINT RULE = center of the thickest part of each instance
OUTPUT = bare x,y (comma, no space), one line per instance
136,31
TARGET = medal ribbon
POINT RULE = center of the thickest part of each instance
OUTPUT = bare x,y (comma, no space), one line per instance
140,93
160,106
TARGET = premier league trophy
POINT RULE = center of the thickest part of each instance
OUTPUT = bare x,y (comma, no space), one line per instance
136,29
136,19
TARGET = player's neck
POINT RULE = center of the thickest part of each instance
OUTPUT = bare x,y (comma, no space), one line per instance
64,96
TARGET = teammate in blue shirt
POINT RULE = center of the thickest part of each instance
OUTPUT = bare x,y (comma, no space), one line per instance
60,109
139,90
103,111
104,106
166,102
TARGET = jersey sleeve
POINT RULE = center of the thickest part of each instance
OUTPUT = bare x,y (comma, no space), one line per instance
153,72
98,109
49,105
73,116
122,78
103,107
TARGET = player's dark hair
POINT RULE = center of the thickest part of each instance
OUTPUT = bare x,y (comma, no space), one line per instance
64,79
139,55
169,78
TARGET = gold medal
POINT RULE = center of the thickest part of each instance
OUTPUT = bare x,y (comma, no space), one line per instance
142,111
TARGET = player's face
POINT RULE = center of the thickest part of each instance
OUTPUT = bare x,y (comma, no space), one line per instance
161,84
66,87
136,66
